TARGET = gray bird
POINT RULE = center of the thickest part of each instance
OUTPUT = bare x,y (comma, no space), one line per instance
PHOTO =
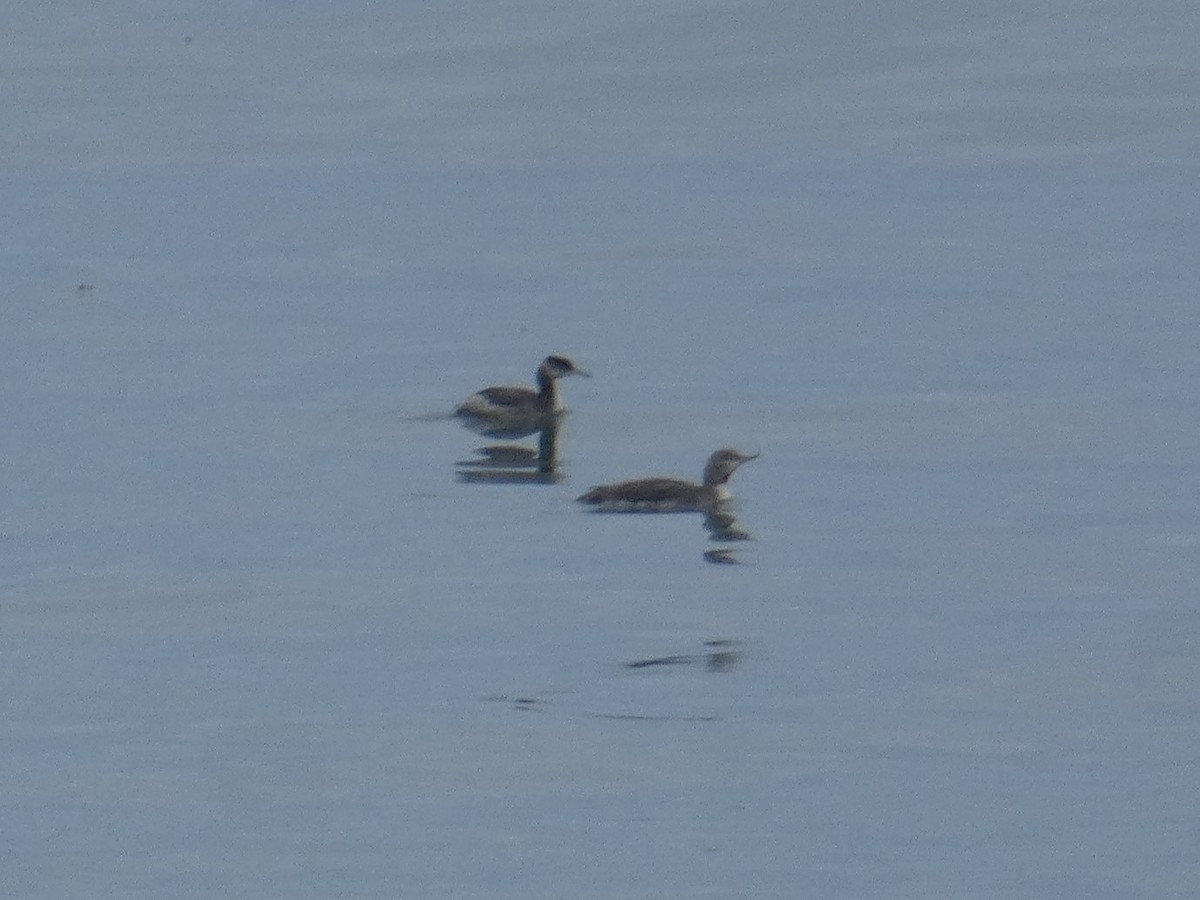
671,494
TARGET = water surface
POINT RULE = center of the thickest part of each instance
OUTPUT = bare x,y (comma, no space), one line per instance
260,637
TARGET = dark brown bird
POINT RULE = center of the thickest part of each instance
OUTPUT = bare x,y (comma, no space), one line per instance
515,407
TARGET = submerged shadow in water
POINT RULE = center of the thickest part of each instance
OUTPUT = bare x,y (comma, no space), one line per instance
516,463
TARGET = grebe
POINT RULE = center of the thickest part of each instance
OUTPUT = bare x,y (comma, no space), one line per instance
671,494
519,409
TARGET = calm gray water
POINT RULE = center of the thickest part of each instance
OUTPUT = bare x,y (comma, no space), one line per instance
257,637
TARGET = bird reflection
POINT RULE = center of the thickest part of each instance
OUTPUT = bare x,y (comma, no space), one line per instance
516,426
516,463
719,656
722,523
721,556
